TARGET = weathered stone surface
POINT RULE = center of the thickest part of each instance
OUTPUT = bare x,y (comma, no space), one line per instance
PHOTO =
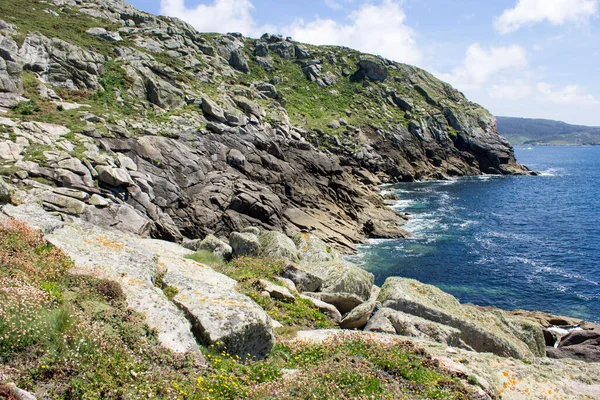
277,245
373,68
219,315
358,316
104,34
244,244
326,308
493,331
311,249
61,203
342,277
6,191
344,302
276,291
216,246
387,320
304,280
579,344
114,176
98,201
236,159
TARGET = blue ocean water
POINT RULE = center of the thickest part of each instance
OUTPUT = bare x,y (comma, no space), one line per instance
511,242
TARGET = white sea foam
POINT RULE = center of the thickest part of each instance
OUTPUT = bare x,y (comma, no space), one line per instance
552,172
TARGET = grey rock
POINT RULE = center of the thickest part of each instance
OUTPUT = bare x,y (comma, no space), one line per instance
358,316
74,165
373,68
412,326
265,62
216,246
344,302
244,244
326,308
342,277
251,229
6,191
76,194
64,204
277,245
304,280
249,106
114,176
20,393
211,109
236,159
493,331
35,216
313,250
276,291
104,34
98,201
126,162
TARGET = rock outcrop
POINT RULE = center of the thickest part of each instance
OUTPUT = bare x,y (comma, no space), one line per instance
192,134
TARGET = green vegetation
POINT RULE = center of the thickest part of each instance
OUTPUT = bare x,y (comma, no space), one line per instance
207,257
73,337
29,16
300,314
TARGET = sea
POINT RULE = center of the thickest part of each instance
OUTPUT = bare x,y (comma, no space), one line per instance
517,242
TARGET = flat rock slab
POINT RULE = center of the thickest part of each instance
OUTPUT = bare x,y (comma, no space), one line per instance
204,297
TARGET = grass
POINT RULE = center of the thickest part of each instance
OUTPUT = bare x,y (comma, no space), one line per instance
300,314
72,337
28,16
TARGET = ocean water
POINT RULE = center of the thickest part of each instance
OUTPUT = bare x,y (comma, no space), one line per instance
511,242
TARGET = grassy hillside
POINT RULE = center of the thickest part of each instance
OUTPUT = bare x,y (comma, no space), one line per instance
65,336
545,131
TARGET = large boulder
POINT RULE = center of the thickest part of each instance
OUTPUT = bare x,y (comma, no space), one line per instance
311,249
244,244
492,331
579,344
278,245
114,176
213,244
344,302
342,277
373,68
358,316
387,320
304,280
219,315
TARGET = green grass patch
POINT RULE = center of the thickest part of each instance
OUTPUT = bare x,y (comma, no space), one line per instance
207,257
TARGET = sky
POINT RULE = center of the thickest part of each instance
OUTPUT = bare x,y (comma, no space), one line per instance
520,58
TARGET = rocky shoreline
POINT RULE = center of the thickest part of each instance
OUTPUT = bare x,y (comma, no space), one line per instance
207,310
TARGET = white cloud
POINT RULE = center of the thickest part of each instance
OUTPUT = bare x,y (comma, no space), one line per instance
481,64
373,28
221,16
570,95
510,90
557,12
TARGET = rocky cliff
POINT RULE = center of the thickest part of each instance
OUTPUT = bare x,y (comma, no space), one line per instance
144,124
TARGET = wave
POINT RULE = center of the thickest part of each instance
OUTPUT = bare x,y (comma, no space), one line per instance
552,172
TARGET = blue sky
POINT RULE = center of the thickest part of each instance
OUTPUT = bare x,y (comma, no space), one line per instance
525,58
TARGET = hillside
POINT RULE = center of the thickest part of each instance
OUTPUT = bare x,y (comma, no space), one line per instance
184,133
175,208
546,132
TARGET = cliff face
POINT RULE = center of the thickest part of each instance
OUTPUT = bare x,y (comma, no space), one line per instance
158,129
